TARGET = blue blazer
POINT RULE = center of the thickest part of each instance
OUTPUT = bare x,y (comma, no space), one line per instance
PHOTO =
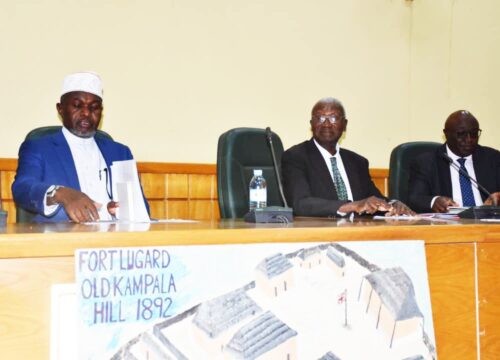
48,161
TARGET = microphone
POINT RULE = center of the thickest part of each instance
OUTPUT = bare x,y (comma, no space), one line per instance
272,214
464,173
269,136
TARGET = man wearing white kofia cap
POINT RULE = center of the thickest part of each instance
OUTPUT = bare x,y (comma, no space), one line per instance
65,176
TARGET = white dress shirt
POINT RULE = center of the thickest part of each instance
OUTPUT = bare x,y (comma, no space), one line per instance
340,165
91,170
455,178
456,191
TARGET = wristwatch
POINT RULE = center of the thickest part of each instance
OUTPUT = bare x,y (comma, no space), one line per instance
51,191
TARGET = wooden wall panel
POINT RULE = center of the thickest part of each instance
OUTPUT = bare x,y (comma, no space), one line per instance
158,209
200,187
170,188
10,207
488,255
6,200
200,210
154,185
6,180
215,210
380,184
177,186
25,288
452,281
177,209
173,168
214,186
380,179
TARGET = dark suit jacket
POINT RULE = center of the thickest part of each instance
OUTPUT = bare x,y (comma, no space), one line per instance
48,161
309,187
430,176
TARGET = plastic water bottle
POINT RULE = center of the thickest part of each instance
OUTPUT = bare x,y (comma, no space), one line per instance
258,191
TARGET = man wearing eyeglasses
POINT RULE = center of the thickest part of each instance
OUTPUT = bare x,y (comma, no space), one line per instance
321,179
437,179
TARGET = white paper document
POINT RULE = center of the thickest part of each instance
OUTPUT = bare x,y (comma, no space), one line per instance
175,221
127,191
135,308
396,217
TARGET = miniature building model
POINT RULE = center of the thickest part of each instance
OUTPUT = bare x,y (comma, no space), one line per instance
335,261
234,326
274,275
309,258
152,348
390,299
266,337
329,356
216,316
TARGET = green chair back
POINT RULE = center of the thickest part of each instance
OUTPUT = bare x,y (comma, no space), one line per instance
25,216
239,152
399,166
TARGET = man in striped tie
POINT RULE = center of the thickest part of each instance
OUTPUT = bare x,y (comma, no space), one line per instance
440,179
322,179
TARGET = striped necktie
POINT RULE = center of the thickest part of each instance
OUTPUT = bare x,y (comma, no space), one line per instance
337,179
465,186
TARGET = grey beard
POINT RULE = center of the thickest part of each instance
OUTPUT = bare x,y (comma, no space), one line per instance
83,135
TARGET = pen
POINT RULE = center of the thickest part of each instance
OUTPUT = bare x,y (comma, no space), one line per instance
490,220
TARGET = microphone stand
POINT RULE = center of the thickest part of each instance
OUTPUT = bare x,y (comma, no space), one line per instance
272,214
464,173
269,135
474,212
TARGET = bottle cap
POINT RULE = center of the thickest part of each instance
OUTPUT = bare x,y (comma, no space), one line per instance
257,172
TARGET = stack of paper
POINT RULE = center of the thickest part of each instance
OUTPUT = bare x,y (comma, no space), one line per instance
127,191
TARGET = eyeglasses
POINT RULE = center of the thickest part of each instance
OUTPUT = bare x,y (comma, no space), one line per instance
474,134
332,119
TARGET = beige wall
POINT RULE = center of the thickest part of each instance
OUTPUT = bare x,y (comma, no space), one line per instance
178,73
455,64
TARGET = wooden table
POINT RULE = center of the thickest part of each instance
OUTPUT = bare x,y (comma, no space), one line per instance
463,262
